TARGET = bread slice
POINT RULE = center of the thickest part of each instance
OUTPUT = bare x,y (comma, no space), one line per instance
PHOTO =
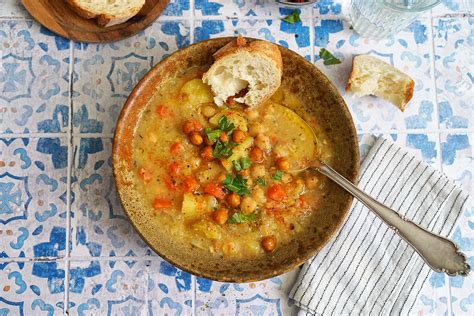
107,12
372,76
255,66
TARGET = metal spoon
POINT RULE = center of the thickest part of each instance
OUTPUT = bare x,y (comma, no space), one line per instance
440,253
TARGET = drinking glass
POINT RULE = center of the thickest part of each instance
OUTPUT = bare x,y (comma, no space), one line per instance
379,19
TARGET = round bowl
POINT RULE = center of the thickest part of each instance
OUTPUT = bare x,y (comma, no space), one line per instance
320,98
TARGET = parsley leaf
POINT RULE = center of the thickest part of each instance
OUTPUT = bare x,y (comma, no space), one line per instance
222,149
213,135
278,174
293,17
328,58
236,165
243,164
237,185
239,218
225,125
261,181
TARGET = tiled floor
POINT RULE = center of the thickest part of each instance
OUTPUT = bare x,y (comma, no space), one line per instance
66,245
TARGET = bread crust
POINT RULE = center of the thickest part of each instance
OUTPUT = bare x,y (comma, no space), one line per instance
102,19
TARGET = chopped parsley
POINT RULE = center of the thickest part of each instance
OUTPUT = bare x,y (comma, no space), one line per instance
261,181
242,165
213,135
225,125
328,58
277,176
238,184
293,18
239,218
223,149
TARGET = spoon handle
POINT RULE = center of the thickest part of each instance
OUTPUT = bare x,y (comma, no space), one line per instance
441,254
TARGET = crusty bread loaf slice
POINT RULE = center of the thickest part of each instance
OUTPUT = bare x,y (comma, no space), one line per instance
372,76
107,12
254,65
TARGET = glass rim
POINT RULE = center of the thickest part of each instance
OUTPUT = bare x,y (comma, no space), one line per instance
427,7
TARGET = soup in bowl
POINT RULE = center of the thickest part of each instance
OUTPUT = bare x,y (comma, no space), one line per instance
222,192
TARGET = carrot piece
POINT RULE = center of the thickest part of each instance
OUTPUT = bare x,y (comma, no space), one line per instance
173,169
215,189
276,193
169,183
161,111
161,203
190,184
175,147
144,174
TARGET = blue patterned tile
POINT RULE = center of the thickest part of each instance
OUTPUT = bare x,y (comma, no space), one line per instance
128,288
454,44
293,36
99,226
329,7
12,8
245,9
33,197
458,163
33,79
453,7
30,288
269,297
177,8
409,51
105,74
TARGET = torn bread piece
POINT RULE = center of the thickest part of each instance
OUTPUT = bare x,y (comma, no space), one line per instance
255,66
107,12
372,76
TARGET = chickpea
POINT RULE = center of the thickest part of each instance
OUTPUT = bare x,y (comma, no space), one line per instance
220,216
263,142
259,195
191,126
195,138
229,248
256,154
233,200
286,178
283,164
207,141
269,243
238,136
206,153
258,171
208,111
256,129
252,115
224,137
311,181
248,205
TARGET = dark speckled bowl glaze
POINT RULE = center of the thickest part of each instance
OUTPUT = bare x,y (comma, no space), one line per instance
319,96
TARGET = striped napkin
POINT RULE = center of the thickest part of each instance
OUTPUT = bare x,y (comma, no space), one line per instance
368,269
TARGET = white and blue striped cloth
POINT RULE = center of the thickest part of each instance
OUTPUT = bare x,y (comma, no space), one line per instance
368,269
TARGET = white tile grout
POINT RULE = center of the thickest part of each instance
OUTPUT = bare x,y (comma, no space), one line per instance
312,34
68,178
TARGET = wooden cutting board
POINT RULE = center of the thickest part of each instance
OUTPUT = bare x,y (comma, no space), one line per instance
58,17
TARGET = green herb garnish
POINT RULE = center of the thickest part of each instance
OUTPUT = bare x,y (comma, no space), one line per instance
225,125
328,58
223,149
277,176
293,17
261,181
242,165
213,135
238,184
239,218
